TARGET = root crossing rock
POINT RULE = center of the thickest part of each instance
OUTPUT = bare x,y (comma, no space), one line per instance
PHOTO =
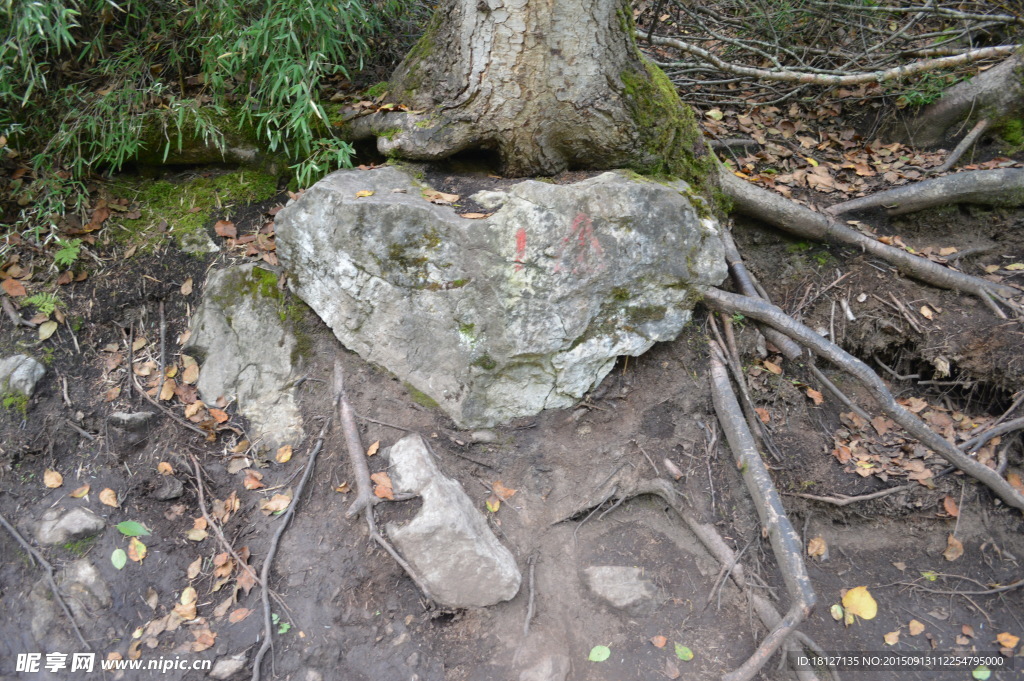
448,543
500,317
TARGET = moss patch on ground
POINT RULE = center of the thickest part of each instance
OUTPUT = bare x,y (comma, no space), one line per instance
186,207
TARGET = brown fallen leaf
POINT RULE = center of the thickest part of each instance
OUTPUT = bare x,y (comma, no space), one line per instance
763,414
246,579
275,504
80,492
892,638
439,198
372,449
109,498
659,641
219,415
186,287
949,504
344,488
915,627
954,549
503,493
1007,640
475,216
225,228
52,479
382,488
238,615
817,547
284,454
14,288
194,568
252,479
815,396
772,367
167,391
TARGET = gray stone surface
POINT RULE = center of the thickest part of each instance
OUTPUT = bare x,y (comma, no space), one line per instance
448,542
133,422
500,317
86,595
20,374
621,587
228,666
78,523
548,668
248,352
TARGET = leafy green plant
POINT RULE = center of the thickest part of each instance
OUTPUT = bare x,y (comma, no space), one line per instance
88,85
45,303
282,627
68,252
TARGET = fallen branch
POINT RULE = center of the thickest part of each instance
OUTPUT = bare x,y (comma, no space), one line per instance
835,80
272,551
791,217
731,303
985,436
844,500
38,557
786,544
1002,187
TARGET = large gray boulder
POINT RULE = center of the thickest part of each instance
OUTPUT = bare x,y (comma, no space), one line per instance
448,542
242,335
500,317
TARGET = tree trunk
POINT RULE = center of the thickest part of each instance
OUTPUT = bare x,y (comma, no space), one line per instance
549,85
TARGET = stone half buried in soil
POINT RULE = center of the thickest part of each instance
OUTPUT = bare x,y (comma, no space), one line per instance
448,542
244,340
500,317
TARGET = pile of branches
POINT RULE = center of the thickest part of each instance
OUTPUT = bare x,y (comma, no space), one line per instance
736,51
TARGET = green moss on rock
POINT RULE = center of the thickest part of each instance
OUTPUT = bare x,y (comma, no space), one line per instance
420,397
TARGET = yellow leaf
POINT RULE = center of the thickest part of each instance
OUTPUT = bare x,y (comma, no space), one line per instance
837,612
715,114
167,391
186,611
164,468
372,449
915,627
343,488
954,549
811,161
284,454
136,550
493,503
191,373
52,479
171,372
80,492
109,497
949,250
991,269
892,638
1015,266
363,193
46,329
1008,640
926,312
139,343
858,601
196,534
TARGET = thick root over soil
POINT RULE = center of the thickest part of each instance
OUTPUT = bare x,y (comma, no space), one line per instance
1002,188
731,303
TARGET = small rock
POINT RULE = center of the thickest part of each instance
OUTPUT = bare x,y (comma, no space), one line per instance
77,523
483,436
131,422
226,667
168,488
20,374
621,587
547,668
448,543
85,593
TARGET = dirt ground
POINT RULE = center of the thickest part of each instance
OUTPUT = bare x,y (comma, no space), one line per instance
345,610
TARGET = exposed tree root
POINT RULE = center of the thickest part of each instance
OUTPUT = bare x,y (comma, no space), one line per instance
272,552
991,94
802,221
966,143
1003,187
717,547
785,542
45,564
791,350
365,499
13,315
731,303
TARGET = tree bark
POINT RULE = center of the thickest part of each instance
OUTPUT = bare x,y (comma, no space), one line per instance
548,85
996,94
